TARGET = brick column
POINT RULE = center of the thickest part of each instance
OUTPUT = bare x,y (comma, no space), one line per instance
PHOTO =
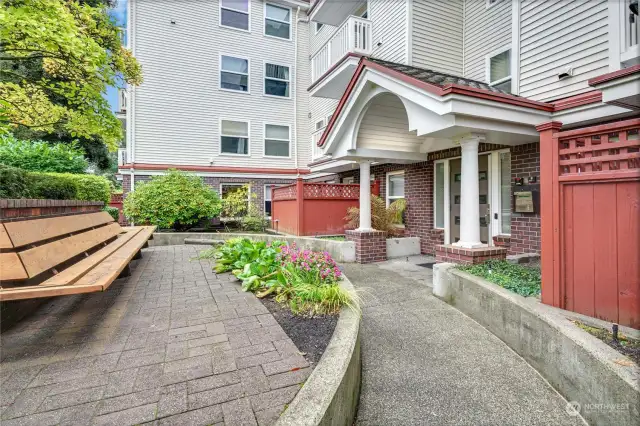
468,256
371,246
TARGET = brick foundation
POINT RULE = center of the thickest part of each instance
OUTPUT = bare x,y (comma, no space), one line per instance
371,246
26,208
463,256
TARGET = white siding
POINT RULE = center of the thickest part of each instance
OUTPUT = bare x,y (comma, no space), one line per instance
179,105
316,41
437,35
485,31
390,29
385,123
555,34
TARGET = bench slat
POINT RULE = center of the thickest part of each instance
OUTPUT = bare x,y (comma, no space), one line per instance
5,241
34,292
47,256
11,268
27,232
77,271
106,272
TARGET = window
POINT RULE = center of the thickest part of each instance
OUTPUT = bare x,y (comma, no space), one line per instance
276,80
277,21
439,195
267,199
319,125
234,74
395,186
235,14
234,137
227,189
505,193
319,26
499,70
348,180
276,140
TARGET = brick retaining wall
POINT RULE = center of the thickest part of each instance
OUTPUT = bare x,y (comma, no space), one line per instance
26,208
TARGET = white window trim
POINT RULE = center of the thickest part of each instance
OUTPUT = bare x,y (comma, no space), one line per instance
619,54
264,199
220,71
248,13
322,126
487,66
264,78
264,140
316,29
488,3
220,135
264,22
446,194
351,180
387,196
496,199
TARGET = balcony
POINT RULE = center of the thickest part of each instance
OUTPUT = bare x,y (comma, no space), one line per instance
332,12
123,100
352,37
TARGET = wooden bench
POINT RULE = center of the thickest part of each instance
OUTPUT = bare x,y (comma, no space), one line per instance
64,255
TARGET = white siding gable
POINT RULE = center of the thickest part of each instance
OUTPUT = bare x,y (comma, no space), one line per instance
389,30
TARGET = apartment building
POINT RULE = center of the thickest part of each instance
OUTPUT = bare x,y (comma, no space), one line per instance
410,93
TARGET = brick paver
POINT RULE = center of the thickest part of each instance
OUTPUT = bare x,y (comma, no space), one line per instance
174,344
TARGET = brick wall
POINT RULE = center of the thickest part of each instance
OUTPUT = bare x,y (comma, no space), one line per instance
24,208
525,227
371,246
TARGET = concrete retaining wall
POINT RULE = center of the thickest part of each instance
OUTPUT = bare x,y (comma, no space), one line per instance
581,367
330,395
341,251
403,247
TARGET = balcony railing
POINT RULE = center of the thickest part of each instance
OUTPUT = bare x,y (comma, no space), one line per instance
353,36
122,156
631,29
316,151
123,98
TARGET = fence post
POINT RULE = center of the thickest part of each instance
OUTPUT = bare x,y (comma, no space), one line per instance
375,188
300,206
548,206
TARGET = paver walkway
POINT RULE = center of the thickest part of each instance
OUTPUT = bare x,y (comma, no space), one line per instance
172,344
426,363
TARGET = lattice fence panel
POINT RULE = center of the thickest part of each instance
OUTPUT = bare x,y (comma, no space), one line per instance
284,193
600,153
331,191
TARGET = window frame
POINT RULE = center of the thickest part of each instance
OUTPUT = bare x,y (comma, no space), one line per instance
264,199
487,66
220,71
322,126
446,195
264,140
220,135
387,186
248,13
496,199
264,78
316,29
264,21
489,4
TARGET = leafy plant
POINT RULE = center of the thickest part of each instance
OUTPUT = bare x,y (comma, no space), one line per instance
522,280
13,182
88,187
174,200
236,202
383,218
113,211
48,187
40,156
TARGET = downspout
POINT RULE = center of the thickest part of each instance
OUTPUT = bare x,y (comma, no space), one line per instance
295,93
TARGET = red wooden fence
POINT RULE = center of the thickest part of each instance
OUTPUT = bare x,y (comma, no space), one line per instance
591,220
314,208
116,201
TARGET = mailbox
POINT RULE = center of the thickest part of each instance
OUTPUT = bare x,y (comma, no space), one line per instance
526,199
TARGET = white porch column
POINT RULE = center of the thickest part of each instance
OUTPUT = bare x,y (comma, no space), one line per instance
365,196
470,193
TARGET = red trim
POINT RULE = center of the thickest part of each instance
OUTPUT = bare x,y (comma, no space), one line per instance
616,126
493,96
592,97
139,166
549,125
333,67
614,75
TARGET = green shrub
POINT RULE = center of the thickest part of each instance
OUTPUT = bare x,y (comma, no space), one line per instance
113,211
90,187
254,223
49,187
40,156
13,182
173,200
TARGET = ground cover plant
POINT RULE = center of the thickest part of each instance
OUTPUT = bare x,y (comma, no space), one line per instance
621,342
520,279
306,281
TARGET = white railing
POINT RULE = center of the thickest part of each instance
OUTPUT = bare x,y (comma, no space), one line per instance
353,36
316,151
123,99
631,26
122,156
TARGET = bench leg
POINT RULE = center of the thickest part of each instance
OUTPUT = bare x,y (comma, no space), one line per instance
138,255
146,245
125,272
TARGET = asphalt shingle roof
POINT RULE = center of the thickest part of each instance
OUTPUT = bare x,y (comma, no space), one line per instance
435,77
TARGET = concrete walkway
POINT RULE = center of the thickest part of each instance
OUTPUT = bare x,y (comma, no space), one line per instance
425,363
174,344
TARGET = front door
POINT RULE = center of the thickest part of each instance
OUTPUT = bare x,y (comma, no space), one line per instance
454,198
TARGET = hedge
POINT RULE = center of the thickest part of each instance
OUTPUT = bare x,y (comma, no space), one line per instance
17,183
40,156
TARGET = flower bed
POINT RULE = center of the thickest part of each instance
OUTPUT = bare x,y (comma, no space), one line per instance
306,281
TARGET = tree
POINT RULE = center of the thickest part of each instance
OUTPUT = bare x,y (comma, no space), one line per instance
57,57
